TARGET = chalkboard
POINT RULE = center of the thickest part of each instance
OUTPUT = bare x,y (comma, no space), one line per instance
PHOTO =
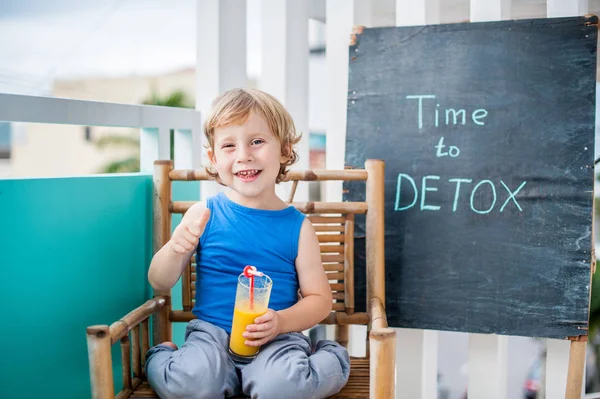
487,131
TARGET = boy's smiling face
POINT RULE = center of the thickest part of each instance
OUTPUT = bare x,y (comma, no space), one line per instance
247,158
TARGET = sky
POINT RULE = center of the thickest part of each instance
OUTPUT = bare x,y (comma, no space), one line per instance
41,40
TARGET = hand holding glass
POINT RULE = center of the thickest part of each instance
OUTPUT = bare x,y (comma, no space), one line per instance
251,301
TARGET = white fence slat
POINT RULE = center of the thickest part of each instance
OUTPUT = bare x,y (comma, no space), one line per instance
416,363
148,148
164,143
417,12
342,16
557,366
490,10
357,341
221,58
487,366
183,149
285,57
566,8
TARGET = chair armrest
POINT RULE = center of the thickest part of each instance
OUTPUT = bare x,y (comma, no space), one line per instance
382,353
120,328
100,338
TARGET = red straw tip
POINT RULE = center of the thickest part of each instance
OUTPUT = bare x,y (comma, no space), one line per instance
247,271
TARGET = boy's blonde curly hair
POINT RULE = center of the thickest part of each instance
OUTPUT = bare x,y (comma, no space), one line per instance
236,105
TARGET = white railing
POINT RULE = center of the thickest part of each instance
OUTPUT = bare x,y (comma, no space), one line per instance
154,122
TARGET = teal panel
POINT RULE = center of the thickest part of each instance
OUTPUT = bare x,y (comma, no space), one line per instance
74,252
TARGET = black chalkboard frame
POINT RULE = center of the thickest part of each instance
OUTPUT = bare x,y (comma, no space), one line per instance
357,150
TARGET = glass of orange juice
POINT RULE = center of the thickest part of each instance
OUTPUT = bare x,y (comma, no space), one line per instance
251,301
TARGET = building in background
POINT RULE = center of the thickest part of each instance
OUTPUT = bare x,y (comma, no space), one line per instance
44,150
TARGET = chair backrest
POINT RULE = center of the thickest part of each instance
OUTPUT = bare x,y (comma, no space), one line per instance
333,222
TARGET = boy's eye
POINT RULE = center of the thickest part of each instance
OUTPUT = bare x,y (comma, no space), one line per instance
229,145
257,141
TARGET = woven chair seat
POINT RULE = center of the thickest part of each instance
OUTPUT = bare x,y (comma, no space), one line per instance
357,387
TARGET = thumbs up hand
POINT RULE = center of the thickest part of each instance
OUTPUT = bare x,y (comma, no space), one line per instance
187,234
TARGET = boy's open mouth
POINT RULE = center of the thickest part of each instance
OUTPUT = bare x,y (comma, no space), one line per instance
248,174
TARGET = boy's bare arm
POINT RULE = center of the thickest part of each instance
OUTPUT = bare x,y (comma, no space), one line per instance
168,263
316,300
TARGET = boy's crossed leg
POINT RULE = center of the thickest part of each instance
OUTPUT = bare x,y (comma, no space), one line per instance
201,368
287,368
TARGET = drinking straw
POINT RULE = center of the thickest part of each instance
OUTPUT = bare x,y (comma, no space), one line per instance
250,272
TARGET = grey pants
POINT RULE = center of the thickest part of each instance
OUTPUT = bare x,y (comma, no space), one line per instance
284,368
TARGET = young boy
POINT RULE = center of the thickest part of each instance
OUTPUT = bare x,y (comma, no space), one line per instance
251,138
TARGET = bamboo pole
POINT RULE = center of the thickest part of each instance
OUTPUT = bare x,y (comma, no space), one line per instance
293,175
333,267
337,276
121,327
292,191
375,234
322,219
181,207
331,237
381,351
382,367
188,175
337,295
349,264
324,228
124,394
576,368
161,234
333,318
341,335
343,318
126,362
378,316
337,286
101,376
332,258
338,306
145,341
331,207
326,175
331,249
135,352
186,287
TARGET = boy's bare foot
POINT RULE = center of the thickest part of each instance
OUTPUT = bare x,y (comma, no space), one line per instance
169,343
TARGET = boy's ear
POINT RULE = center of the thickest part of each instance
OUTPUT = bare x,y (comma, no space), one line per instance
211,156
286,153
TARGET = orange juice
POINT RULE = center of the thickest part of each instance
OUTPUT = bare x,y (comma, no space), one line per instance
242,317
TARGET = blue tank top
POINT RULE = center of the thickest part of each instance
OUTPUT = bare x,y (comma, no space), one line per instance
236,236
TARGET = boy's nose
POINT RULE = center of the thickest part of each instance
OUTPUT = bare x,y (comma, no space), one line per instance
243,155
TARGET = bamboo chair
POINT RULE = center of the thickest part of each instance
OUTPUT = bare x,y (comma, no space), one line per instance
372,376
